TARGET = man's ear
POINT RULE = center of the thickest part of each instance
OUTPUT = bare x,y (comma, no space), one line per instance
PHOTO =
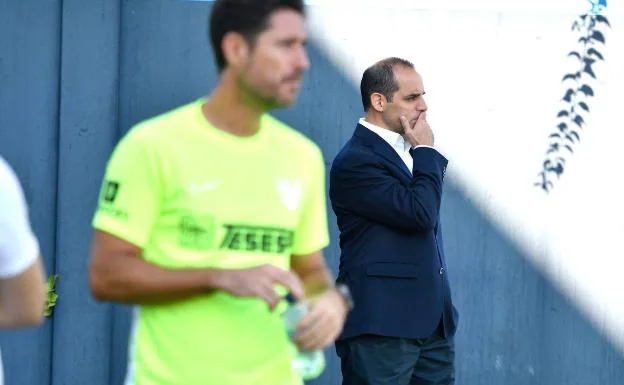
235,50
378,101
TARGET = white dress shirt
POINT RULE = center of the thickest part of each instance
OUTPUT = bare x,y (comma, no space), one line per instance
396,141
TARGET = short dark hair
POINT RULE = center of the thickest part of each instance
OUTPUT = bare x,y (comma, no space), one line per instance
247,17
380,78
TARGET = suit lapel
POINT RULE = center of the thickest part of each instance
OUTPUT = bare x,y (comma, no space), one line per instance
381,147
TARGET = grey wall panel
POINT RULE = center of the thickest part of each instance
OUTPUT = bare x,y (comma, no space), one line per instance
88,122
165,59
29,92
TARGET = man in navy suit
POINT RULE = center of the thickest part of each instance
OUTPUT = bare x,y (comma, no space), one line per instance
386,188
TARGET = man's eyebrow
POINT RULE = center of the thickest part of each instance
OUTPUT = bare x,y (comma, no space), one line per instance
293,40
415,94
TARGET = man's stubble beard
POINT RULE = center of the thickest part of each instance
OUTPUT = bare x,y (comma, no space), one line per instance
254,96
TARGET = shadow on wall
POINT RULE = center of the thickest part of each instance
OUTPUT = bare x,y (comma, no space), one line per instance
515,327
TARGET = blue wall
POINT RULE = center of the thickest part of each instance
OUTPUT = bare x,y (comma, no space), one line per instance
75,75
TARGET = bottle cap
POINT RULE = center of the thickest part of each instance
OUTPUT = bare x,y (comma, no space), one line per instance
290,298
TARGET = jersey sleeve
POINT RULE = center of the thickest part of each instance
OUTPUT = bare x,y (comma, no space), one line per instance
19,247
130,195
312,233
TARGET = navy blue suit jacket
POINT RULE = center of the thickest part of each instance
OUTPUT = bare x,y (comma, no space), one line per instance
392,257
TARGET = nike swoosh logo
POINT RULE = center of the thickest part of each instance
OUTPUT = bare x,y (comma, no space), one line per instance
199,188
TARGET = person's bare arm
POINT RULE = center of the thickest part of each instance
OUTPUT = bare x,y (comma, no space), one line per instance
313,272
22,298
118,273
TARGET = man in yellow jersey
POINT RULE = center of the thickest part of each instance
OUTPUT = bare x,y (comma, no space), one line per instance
210,213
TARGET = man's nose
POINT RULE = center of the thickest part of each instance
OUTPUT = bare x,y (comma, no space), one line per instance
302,61
421,105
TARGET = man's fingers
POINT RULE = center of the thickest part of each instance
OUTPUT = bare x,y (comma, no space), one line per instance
405,123
290,281
268,294
321,342
265,290
315,342
310,320
318,339
285,278
312,331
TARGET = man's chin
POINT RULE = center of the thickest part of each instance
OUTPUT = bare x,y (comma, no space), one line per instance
284,102
273,103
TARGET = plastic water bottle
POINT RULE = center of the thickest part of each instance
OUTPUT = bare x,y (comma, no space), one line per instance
309,364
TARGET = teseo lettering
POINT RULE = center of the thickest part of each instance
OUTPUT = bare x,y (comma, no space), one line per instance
257,239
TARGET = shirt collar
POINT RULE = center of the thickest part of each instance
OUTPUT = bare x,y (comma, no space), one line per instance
392,138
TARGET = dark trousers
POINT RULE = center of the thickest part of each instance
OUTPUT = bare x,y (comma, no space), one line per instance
377,360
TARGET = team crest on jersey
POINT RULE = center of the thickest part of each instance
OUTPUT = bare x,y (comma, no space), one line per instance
290,191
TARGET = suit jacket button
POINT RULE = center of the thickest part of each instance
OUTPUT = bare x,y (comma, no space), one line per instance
441,270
